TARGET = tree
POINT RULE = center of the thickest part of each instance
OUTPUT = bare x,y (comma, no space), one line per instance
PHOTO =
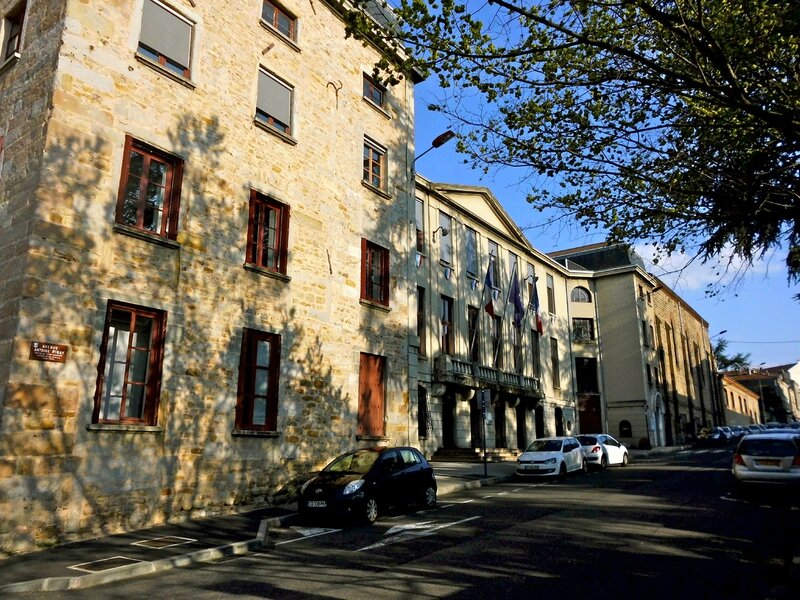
675,122
737,362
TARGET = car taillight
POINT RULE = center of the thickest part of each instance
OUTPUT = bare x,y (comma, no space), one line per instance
595,449
737,459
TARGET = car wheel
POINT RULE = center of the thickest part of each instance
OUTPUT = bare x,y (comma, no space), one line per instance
370,514
429,501
562,471
625,460
604,462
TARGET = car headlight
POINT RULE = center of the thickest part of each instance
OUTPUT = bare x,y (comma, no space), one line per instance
353,487
550,461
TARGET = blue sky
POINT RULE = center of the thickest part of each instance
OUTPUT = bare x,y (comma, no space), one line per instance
758,311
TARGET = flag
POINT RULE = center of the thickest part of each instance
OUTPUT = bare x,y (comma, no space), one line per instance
535,304
516,298
488,285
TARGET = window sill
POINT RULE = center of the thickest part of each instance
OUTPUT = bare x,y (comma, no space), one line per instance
159,69
289,42
255,433
373,304
371,438
378,191
279,134
9,62
266,272
124,428
380,109
145,236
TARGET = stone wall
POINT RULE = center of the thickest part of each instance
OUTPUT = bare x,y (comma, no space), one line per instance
61,478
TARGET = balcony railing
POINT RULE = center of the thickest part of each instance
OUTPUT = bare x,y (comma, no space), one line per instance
448,369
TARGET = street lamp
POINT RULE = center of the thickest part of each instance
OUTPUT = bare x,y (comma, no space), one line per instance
439,141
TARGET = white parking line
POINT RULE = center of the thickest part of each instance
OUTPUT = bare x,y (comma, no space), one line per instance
413,531
307,534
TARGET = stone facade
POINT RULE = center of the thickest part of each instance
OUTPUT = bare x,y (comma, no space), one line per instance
78,86
741,404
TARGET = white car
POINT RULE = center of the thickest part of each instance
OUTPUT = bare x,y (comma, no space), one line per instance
767,458
553,456
602,450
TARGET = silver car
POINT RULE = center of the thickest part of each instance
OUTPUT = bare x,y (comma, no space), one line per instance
767,458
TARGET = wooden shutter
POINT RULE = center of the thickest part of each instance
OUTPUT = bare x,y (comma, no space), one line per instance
371,395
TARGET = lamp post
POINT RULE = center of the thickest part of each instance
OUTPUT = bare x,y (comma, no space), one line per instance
439,141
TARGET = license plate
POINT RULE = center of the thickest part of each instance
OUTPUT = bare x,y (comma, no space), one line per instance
769,462
532,467
316,504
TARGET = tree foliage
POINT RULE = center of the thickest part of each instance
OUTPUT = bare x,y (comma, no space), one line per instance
737,362
670,121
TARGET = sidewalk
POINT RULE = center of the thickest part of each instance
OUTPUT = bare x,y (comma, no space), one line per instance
103,560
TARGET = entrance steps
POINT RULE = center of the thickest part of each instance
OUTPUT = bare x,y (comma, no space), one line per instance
474,455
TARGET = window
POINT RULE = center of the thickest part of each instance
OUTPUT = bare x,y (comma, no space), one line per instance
644,333
497,342
259,377
421,322
471,252
582,329
371,390
279,20
166,38
374,273
422,413
518,364
580,294
536,363
419,217
374,165
373,91
129,372
555,363
447,325
267,233
530,281
274,104
494,250
11,32
150,188
649,375
445,238
473,319
551,295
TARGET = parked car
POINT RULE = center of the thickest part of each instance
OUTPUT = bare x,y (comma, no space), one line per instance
716,436
772,457
738,432
360,484
602,450
553,456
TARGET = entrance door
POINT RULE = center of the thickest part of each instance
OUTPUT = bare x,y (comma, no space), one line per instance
449,421
522,426
500,424
539,421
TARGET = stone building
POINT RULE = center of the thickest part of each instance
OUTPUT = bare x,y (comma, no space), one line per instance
204,231
657,371
478,285
778,393
742,405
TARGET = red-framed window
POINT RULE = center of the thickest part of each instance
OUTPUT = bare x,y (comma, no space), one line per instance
448,336
12,28
371,395
374,165
279,19
166,38
129,371
259,377
374,273
150,189
373,91
267,233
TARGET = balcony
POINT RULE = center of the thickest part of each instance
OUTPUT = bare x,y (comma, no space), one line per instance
450,370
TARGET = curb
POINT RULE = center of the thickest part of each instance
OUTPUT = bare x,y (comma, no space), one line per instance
206,555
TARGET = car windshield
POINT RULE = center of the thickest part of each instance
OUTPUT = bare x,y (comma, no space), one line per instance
359,461
776,447
587,440
544,446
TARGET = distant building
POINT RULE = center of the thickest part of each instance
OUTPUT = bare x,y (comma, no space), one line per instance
741,404
779,394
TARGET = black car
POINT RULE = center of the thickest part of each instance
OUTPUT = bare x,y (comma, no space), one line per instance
359,484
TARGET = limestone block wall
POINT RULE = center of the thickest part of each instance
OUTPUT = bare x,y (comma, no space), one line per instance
62,478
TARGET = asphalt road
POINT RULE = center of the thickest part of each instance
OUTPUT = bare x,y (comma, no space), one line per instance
671,528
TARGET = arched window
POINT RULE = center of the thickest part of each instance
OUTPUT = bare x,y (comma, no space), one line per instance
580,294
625,429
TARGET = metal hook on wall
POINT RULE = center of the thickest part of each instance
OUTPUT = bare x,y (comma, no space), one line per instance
336,90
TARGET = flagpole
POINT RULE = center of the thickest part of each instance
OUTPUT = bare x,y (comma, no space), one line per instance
477,319
505,308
